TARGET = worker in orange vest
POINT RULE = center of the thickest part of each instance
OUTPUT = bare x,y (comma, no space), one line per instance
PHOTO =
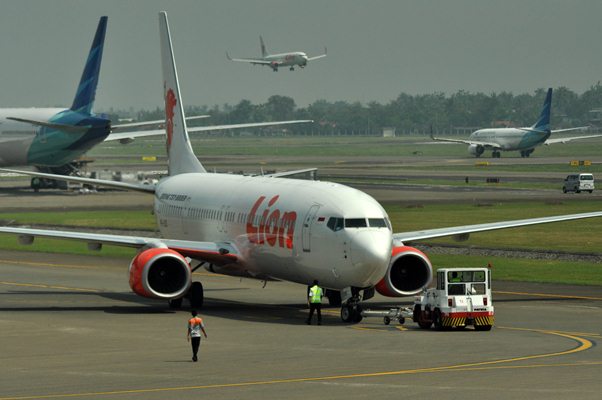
193,335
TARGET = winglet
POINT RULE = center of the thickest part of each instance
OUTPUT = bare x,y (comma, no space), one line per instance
181,158
86,91
228,56
543,122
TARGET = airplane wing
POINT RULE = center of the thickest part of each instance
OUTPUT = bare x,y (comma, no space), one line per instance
320,56
212,252
462,232
469,142
290,173
251,60
89,181
158,122
156,132
568,139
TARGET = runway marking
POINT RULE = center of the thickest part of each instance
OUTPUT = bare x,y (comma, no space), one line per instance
38,285
584,344
550,295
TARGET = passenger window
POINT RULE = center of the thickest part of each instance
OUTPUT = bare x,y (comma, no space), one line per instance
335,224
355,223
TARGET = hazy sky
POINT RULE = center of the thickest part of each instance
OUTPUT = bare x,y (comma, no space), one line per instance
376,49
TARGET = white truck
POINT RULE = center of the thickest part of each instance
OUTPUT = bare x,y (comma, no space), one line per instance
462,297
578,183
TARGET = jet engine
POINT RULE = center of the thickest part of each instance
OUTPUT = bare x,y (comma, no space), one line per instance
409,272
476,150
160,273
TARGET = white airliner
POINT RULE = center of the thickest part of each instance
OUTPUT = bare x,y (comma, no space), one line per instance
274,61
523,140
52,138
267,228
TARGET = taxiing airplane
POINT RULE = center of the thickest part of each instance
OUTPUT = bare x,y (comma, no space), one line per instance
264,227
274,61
52,138
523,140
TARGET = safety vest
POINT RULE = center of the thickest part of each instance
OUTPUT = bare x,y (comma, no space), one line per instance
315,294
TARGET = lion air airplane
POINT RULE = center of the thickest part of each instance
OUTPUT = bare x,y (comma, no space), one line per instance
52,138
274,61
264,227
523,140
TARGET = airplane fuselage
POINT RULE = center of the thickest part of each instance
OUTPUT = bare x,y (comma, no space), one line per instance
288,59
511,139
26,144
287,229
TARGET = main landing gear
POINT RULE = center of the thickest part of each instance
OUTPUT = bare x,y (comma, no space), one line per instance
496,154
194,296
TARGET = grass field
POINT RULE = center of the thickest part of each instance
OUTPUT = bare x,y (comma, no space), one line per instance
333,146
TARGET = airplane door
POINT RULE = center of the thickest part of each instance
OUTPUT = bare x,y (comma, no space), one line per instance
306,230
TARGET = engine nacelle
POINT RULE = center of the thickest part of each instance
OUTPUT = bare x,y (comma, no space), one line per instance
160,273
476,149
409,272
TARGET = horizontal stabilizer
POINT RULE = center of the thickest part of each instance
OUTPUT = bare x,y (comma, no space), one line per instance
60,127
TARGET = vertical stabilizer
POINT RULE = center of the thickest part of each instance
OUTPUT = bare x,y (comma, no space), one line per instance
181,158
543,123
264,52
86,91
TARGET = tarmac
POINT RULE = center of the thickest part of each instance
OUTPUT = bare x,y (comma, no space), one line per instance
71,328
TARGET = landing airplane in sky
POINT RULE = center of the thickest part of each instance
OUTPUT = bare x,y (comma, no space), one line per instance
52,138
264,227
274,61
517,139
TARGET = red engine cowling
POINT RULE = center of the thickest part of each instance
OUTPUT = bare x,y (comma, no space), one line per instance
160,273
409,272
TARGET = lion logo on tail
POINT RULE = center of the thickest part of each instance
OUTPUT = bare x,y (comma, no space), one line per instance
170,104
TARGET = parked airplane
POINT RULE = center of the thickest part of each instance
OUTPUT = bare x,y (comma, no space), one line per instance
274,61
264,227
517,139
52,138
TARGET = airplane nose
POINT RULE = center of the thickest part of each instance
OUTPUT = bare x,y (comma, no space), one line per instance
370,254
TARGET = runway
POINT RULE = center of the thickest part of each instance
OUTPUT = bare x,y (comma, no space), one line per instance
72,329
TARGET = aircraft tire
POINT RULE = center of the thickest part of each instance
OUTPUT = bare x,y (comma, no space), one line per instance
347,313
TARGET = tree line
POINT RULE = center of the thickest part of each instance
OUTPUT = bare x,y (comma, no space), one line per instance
456,113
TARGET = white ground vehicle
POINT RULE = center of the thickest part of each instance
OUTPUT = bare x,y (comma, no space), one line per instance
578,182
462,297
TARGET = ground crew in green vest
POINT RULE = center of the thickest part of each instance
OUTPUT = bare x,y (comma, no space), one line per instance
314,299
455,277
193,335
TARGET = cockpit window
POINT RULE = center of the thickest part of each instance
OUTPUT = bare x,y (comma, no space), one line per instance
377,223
335,224
355,223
